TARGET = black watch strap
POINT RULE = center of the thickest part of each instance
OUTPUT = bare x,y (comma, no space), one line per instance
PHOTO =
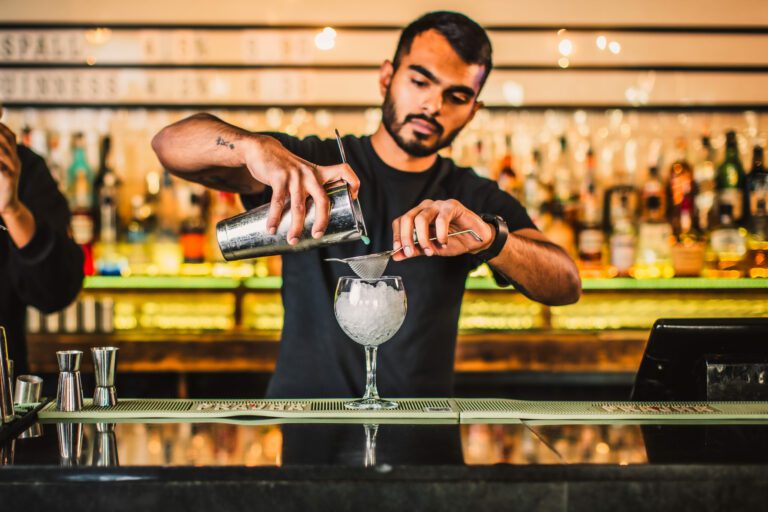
502,232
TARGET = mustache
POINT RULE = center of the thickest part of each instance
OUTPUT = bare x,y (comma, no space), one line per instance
426,118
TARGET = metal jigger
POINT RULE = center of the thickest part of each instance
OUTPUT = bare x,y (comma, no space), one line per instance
69,396
70,436
105,448
104,364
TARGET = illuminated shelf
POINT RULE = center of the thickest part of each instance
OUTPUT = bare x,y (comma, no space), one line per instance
274,282
160,282
620,284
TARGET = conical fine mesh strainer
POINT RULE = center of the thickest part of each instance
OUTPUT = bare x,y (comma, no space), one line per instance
371,266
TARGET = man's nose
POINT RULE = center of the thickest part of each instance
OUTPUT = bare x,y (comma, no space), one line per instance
432,104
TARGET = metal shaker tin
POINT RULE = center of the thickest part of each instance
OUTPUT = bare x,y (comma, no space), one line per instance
245,235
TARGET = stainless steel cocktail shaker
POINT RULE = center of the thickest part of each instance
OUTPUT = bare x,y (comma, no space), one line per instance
246,236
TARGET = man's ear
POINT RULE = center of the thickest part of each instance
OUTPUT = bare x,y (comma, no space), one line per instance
477,106
386,70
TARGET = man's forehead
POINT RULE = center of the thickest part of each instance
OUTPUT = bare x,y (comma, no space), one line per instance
432,51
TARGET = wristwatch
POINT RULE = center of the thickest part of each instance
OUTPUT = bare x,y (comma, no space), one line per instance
502,232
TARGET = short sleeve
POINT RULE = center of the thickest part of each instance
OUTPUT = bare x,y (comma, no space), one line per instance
482,195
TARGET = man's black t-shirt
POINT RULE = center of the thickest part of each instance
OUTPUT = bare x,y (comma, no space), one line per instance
316,358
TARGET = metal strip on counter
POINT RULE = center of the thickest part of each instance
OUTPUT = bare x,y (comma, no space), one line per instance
458,410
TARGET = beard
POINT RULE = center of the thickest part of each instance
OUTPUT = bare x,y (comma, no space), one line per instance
418,147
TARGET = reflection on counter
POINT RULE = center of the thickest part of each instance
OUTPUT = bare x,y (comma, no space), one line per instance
387,444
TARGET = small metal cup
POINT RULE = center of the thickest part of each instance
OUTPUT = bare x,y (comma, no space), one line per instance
245,235
28,389
69,395
104,365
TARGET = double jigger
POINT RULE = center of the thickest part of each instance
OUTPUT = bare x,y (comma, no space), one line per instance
69,394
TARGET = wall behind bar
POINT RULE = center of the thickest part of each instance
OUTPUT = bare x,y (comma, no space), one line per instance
393,12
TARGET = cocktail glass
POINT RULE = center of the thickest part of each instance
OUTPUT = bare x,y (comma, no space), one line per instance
370,311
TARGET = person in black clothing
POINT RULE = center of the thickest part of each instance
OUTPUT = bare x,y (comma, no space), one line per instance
40,264
430,92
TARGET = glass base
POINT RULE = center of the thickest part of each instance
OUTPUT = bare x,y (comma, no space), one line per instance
370,404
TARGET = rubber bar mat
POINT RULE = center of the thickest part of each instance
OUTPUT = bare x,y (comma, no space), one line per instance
450,409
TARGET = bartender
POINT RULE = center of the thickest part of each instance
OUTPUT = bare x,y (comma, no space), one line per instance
40,265
430,90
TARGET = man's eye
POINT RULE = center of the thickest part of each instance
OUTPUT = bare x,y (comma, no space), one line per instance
458,99
419,83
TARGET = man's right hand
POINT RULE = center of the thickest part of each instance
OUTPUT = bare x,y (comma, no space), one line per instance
295,179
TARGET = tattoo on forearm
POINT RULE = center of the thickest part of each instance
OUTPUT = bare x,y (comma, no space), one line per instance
221,142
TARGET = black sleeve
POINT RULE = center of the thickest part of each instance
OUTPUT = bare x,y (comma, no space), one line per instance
309,148
485,196
47,273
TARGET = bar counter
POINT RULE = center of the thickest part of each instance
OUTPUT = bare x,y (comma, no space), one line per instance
298,462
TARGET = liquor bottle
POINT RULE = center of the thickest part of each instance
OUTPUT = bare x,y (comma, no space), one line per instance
223,206
532,193
689,248
654,238
562,180
704,177
109,262
756,182
680,189
80,178
56,160
653,187
623,238
166,251
98,181
193,231
137,237
508,178
730,181
591,237
558,230
728,246
757,188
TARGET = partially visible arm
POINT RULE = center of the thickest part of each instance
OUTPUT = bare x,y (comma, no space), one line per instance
205,149
538,268
45,266
18,219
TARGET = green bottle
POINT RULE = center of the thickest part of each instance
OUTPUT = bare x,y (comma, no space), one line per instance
730,180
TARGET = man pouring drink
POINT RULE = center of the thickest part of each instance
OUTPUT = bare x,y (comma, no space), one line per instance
430,91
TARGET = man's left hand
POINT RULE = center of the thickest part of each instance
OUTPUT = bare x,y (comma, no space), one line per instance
10,170
436,219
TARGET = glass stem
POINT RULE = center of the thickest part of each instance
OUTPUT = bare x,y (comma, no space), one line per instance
371,393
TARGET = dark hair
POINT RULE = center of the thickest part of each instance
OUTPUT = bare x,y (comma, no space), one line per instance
465,36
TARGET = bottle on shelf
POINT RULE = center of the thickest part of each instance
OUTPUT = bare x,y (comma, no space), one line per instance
166,251
80,180
730,181
623,237
508,178
704,178
757,189
680,189
563,180
591,237
532,190
654,233
689,248
558,230
192,234
137,238
727,246
109,261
